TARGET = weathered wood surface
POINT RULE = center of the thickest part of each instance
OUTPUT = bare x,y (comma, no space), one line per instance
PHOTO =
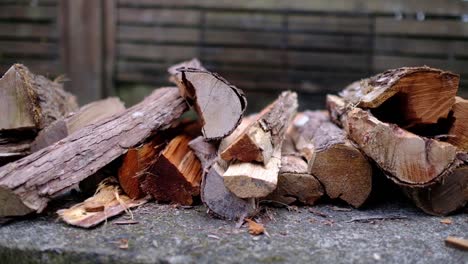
337,163
176,174
266,134
406,96
458,133
87,115
219,104
29,101
28,184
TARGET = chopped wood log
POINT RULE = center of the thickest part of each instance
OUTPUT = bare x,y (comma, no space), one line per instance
176,175
430,172
87,115
29,101
409,96
11,151
29,184
458,134
253,180
108,202
302,132
221,202
407,158
338,164
135,164
295,183
266,134
219,104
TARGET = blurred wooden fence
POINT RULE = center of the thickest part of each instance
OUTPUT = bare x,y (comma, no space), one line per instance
262,46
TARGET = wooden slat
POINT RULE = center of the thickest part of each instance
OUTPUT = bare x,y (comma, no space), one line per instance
153,52
421,46
326,42
109,28
444,28
29,2
238,20
28,12
48,68
158,34
433,6
382,63
28,48
27,30
330,23
158,16
329,60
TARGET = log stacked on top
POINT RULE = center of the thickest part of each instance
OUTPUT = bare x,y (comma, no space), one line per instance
406,122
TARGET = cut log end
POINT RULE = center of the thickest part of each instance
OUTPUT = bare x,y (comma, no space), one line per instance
458,134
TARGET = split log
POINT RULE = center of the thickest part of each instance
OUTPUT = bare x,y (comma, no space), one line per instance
264,136
408,97
337,163
87,115
458,134
29,101
220,201
108,202
176,174
431,172
29,184
219,104
136,163
295,183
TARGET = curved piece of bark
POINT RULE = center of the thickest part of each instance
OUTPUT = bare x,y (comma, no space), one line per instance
408,96
29,101
459,130
266,134
87,115
405,157
31,182
337,163
176,174
219,104
205,152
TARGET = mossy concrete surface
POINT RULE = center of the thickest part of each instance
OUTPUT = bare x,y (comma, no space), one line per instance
165,234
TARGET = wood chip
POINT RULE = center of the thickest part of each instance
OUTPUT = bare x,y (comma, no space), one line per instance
457,242
446,221
126,222
123,243
255,228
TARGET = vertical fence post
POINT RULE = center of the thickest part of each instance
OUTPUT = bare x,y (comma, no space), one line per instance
86,49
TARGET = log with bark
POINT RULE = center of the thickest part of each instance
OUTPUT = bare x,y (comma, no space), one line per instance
295,183
337,163
408,97
458,133
87,115
264,138
219,104
29,184
425,168
28,103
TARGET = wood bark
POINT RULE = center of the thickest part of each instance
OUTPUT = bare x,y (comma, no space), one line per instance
219,104
337,163
176,174
264,136
432,173
458,133
29,184
29,101
87,115
408,97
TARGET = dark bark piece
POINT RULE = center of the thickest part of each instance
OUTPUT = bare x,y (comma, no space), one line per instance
219,104
13,151
459,130
409,96
176,174
337,163
29,184
264,136
205,152
87,115
405,157
135,164
29,101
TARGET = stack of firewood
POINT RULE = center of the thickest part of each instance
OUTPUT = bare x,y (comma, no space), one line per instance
407,123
